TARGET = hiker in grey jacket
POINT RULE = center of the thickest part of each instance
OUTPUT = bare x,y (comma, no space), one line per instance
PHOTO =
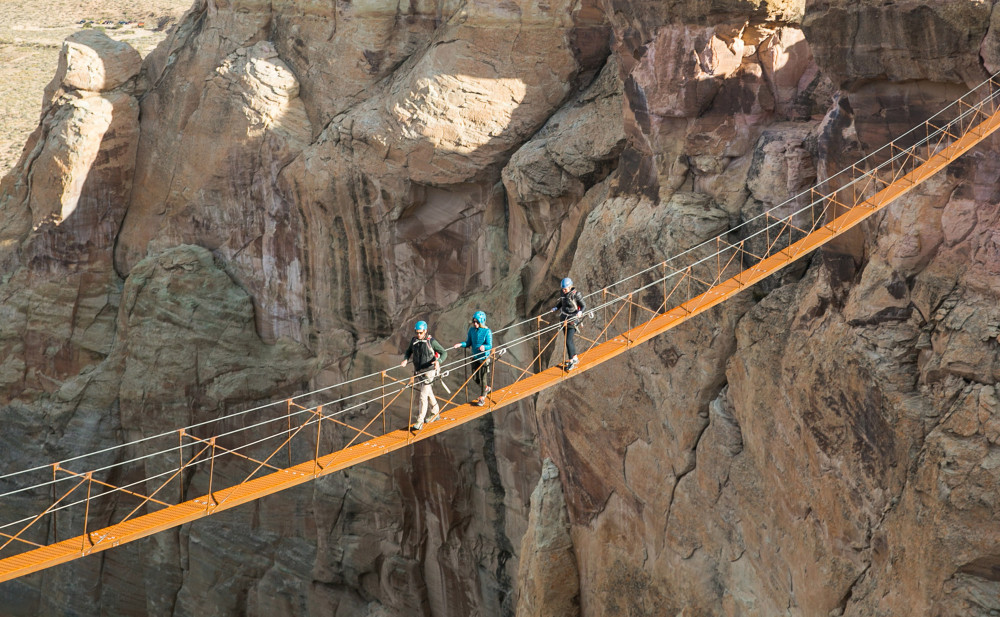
570,307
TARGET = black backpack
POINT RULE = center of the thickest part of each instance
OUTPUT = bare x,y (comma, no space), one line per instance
423,354
570,305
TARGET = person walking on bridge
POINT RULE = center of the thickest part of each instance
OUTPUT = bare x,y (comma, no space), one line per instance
480,340
570,307
427,355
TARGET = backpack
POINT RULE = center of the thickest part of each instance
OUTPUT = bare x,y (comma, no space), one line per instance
570,305
424,354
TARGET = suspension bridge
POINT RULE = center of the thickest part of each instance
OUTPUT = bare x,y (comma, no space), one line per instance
100,500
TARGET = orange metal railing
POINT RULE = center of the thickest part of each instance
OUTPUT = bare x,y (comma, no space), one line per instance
121,494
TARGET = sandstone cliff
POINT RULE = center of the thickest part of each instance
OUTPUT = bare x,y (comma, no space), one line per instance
282,188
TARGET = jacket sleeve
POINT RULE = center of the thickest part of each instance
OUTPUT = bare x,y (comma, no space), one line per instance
436,346
580,305
488,341
468,339
409,351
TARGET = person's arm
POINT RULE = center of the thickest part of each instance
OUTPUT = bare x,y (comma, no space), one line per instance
438,348
467,342
488,341
580,304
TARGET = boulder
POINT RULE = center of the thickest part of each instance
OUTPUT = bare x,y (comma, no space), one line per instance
91,60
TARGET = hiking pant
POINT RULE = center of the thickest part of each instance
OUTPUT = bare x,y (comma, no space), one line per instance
481,370
426,393
570,335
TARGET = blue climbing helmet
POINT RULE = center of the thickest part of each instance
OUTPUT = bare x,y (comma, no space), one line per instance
420,326
567,283
479,317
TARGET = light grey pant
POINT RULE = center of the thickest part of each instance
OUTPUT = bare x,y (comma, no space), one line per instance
426,395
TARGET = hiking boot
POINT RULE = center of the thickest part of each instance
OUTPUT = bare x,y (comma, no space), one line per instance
418,426
434,416
488,389
480,401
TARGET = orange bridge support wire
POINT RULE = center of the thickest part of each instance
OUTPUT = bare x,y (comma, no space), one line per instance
172,516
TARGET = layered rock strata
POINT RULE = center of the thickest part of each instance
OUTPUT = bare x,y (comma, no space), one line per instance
282,188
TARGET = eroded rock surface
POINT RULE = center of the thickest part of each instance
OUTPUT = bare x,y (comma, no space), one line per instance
268,203
549,580
59,217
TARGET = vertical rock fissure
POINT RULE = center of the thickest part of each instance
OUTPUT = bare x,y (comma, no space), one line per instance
487,428
690,467
842,606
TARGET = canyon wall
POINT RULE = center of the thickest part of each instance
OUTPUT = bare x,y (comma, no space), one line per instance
268,201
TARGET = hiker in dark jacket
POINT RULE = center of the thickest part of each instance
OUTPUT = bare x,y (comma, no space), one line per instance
427,354
570,309
480,341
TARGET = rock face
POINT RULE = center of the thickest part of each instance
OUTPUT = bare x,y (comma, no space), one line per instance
59,217
933,41
549,582
269,200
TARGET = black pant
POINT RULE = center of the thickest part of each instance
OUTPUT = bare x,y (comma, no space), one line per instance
481,374
570,329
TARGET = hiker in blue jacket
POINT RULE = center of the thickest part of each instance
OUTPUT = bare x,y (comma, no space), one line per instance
480,341
427,355
570,309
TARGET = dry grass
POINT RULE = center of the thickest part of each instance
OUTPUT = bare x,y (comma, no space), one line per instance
31,34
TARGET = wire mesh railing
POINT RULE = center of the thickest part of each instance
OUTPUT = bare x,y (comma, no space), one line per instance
86,496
